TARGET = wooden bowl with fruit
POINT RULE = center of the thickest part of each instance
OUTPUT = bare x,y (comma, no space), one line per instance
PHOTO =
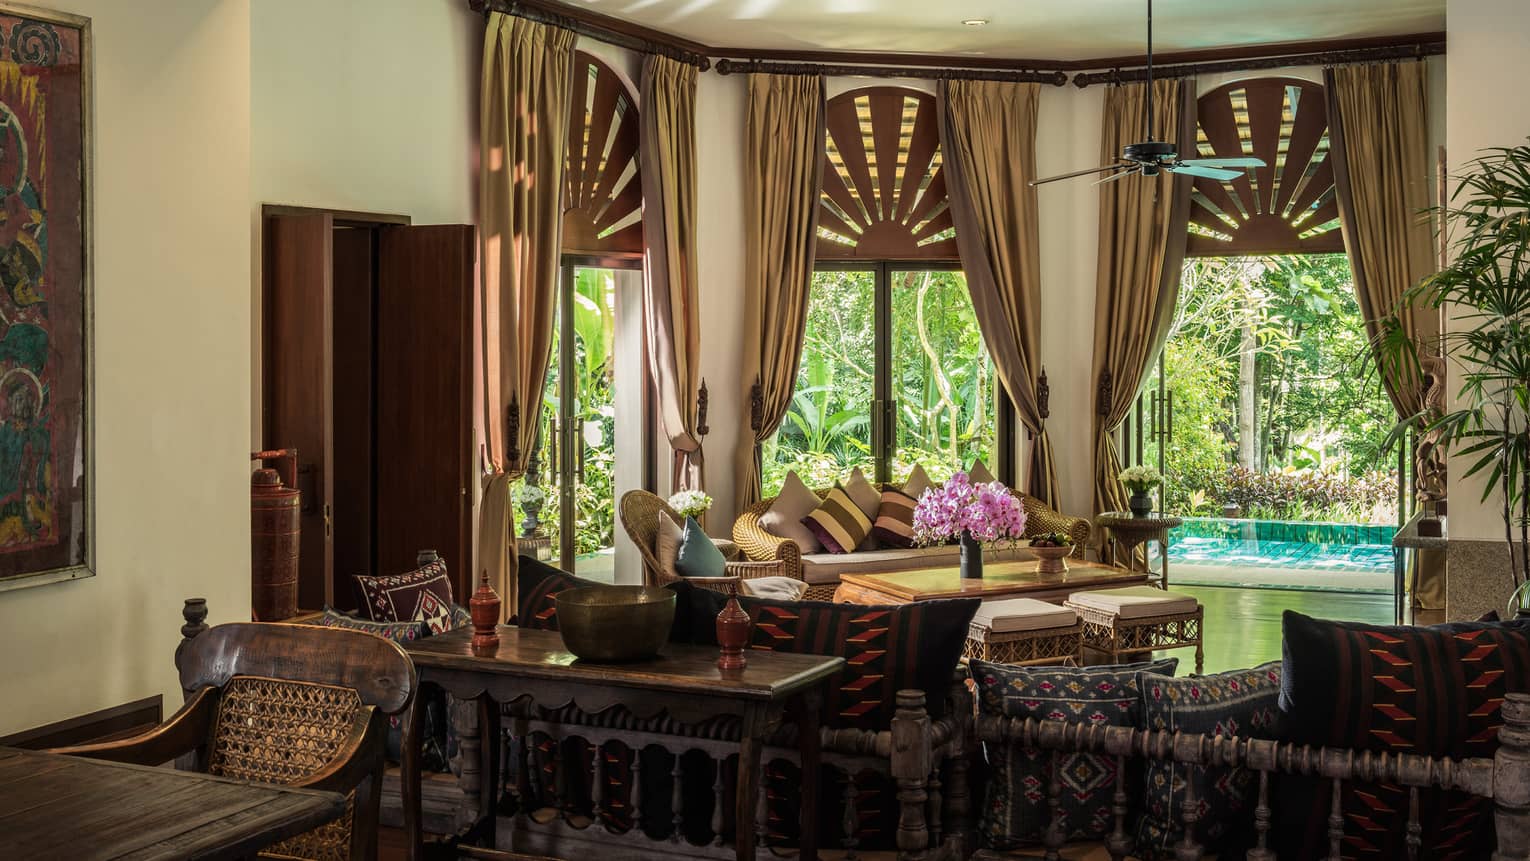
1050,550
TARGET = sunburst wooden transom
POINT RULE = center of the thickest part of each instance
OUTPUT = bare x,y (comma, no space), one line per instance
602,191
884,192
1285,207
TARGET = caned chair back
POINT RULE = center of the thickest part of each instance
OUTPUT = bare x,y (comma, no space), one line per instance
639,512
292,699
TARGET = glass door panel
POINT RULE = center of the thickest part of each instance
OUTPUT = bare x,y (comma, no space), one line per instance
943,387
828,429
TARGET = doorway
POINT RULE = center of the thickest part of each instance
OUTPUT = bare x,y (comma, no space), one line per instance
592,443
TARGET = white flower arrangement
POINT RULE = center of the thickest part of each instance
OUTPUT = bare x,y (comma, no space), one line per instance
1140,479
690,503
530,494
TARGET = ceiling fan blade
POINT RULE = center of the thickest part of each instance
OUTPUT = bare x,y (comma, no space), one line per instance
1208,172
1036,182
1248,161
1115,176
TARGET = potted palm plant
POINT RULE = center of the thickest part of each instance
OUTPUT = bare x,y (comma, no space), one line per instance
1486,291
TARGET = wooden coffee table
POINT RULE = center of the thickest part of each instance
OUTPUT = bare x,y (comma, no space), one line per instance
1000,580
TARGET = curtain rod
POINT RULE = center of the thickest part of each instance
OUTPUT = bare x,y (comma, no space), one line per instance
1416,51
595,30
744,67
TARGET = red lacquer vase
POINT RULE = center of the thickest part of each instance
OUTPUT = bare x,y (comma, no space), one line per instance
484,608
732,633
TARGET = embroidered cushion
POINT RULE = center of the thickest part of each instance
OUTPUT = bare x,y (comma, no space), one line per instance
894,526
536,585
839,524
1434,691
1241,703
398,632
423,595
784,517
697,556
1015,811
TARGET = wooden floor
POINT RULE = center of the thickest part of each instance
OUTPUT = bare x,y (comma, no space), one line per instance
1242,629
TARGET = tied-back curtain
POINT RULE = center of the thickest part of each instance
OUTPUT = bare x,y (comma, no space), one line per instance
783,163
667,151
988,135
1144,225
1379,146
524,108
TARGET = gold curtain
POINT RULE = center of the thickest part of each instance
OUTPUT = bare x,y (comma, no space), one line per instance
1143,231
1378,131
988,135
523,109
783,163
667,121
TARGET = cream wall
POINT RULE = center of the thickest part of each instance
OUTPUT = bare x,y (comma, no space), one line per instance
1489,54
172,343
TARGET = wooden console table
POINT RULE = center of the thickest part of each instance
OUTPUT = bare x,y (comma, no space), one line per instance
1000,580
683,683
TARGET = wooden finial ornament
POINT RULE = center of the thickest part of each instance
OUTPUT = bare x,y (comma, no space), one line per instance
485,610
732,633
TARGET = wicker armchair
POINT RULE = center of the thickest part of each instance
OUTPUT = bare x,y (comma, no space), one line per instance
757,544
291,704
639,511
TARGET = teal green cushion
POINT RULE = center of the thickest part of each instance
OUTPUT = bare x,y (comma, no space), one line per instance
698,556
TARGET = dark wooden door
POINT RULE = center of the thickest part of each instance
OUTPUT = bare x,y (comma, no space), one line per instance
297,357
424,393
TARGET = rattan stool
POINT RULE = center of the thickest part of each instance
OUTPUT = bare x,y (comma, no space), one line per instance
1024,631
1137,620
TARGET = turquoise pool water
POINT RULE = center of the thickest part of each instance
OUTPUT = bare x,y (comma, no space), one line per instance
1238,543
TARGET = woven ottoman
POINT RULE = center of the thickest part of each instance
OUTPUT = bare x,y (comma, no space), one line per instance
1138,619
1024,631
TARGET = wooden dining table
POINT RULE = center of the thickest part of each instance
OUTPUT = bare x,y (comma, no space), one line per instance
71,807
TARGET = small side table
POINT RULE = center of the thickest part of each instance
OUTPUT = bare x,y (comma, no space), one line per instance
1128,530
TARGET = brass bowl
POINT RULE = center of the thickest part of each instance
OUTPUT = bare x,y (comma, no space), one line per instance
1050,559
615,624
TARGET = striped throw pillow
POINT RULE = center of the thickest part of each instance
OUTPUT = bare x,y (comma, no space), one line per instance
894,526
839,524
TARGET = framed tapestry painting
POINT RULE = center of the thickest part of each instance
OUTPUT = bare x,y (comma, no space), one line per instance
47,527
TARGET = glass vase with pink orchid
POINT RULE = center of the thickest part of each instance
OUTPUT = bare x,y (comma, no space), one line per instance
973,513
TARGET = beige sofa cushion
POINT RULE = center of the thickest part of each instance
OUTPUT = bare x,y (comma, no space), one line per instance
1022,614
1135,602
784,517
777,588
821,568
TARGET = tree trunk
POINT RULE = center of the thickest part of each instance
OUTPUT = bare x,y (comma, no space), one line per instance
1247,440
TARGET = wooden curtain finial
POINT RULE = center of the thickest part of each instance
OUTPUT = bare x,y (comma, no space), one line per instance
1043,395
701,410
513,430
1103,397
756,406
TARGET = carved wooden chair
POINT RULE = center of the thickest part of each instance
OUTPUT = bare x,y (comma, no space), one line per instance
290,704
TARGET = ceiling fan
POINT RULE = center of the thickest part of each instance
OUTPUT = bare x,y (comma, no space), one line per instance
1150,157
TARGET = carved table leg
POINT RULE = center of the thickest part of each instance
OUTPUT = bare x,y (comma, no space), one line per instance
750,746
488,778
809,747
409,781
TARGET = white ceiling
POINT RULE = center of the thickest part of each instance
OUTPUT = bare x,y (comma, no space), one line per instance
1042,29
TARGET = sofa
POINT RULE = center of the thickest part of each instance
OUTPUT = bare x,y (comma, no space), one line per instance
821,571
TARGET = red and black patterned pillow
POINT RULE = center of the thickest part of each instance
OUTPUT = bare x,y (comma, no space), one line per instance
1434,691
886,648
421,595
536,585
